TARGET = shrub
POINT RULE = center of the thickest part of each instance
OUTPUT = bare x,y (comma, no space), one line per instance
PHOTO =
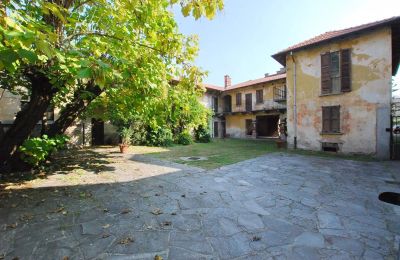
202,135
126,135
184,138
38,149
160,137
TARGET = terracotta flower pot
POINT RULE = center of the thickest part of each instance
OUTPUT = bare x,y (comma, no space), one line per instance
280,144
123,148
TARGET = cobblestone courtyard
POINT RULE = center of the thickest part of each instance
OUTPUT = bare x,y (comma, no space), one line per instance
276,206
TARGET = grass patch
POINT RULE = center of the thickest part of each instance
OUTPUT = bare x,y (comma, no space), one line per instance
222,152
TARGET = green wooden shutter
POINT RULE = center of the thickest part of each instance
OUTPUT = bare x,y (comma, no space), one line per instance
238,99
335,119
326,83
326,119
345,70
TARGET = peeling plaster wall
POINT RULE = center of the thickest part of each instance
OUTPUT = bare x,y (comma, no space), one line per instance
365,111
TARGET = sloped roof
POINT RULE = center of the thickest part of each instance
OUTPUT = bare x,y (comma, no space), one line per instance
257,81
333,35
213,87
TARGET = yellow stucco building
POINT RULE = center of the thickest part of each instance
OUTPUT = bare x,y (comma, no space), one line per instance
339,89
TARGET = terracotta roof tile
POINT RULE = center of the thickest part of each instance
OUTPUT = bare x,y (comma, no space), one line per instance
258,81
332,35
213,87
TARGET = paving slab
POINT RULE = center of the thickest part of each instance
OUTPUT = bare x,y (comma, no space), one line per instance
277,206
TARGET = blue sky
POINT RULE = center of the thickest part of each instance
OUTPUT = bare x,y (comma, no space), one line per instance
241,39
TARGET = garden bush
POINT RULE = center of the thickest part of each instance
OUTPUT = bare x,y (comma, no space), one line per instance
184,138
202,135
160,137
36,150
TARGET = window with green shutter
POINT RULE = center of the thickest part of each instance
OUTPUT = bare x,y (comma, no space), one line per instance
331,119
336,72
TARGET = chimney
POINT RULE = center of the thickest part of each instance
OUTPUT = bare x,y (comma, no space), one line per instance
266,75
227,81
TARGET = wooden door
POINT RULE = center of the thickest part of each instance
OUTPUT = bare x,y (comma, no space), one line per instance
249,101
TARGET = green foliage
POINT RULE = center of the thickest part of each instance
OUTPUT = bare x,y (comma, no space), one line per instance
36,150
126,135
160,137
184,138
202,134
131,49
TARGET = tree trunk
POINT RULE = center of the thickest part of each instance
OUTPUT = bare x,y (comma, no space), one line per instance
26,119
72,110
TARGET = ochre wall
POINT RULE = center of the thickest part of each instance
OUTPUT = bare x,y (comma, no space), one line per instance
268,96
362,130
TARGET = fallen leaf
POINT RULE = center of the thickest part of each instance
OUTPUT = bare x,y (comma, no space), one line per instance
255,238
105,235
26,217
126,241
66,258
183,195
106,226
105,210
13,225
156,211
58,210
13,205
157,257
125,211
173,213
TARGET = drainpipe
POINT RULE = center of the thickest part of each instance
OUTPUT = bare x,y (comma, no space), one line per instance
294,102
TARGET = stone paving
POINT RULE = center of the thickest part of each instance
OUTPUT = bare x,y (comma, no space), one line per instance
277,206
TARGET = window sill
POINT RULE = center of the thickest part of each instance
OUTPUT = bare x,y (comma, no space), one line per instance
334,94
333,133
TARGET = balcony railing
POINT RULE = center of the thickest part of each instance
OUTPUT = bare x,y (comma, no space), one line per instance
267,105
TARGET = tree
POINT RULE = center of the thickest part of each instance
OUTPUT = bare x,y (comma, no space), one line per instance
61,50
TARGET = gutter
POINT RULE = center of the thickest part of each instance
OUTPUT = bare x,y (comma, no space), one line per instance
294,102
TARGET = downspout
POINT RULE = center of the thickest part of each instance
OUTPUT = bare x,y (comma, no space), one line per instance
294,102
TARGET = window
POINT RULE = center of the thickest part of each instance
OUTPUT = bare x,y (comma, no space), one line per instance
280,93
215,104
331,119
259,95
238,99
335,72
249,126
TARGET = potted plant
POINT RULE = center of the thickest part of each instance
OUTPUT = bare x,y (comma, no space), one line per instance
126,136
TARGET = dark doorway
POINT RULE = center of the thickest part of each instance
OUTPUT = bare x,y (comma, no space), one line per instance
215,129
267,126
223,125
227,103
97,132
249,101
